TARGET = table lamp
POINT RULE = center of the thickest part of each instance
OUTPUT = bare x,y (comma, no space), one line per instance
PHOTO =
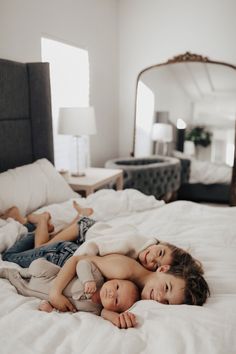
181,127
77,121
162,133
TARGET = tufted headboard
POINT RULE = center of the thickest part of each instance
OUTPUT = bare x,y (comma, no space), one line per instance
25,114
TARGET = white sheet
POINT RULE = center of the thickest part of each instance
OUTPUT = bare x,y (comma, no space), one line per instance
207,172
208,232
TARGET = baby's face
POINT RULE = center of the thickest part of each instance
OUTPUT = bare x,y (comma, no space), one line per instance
118,295
154,256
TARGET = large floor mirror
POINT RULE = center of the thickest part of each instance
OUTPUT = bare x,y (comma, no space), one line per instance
186,107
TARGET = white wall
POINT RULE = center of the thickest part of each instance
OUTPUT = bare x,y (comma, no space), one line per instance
151,31
89,24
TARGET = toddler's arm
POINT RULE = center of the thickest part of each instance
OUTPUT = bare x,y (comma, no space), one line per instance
120,320
65,275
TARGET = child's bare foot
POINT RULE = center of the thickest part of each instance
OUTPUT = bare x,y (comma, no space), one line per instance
36,218
82,211
45,306
14,213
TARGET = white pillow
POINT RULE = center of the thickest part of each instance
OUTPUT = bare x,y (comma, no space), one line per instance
32,186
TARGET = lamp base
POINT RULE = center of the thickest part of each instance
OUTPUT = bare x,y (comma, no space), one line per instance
78,174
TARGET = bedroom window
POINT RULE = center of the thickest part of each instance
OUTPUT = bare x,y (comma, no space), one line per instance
69,76
145,108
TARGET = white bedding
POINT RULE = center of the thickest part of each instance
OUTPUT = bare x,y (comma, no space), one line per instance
208,232
207,172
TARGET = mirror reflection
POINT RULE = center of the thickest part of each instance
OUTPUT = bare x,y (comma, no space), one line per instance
188,109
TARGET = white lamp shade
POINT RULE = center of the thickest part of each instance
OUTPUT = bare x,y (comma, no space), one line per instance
162,132
77,121
181,124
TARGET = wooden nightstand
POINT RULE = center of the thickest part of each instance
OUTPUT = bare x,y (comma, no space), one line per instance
95,178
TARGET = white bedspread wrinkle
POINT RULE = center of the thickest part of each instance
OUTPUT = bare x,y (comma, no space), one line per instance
106,203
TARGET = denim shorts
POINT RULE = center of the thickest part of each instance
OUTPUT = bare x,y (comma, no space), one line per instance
61,252
84,224
23,251
30,227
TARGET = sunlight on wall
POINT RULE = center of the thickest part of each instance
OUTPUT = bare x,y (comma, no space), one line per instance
144,120
223,146
69,76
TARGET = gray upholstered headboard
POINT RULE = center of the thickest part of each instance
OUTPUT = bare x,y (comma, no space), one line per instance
25,114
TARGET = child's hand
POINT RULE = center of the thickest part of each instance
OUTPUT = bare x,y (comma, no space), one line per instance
45,306
127,320
90,287
123,320
61,303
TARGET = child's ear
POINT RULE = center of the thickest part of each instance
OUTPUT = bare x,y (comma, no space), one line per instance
163,268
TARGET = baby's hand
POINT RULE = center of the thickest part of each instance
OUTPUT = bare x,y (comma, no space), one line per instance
127,320
121,320
90,287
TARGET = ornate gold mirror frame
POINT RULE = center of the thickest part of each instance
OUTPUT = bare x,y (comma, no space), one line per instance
190,57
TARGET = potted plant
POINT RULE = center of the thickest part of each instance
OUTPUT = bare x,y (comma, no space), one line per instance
199,136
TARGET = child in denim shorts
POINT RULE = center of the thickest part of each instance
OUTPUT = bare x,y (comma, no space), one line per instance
38,242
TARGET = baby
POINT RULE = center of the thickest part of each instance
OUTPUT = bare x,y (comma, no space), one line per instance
87,292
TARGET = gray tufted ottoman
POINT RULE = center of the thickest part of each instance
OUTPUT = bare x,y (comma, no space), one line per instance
155,175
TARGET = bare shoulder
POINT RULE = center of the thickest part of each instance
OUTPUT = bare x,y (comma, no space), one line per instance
116,266
120,258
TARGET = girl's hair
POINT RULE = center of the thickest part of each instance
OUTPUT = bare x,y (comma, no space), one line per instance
196,289
181,257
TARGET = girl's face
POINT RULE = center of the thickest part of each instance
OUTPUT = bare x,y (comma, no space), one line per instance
155,256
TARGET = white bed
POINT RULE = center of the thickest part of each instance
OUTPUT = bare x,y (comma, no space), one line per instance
204,181
208,232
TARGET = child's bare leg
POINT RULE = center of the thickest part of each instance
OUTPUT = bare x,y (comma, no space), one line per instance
82,211
15,214
68,234
35,218
45,306
41,232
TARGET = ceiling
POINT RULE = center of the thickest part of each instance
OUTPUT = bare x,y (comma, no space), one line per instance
209,88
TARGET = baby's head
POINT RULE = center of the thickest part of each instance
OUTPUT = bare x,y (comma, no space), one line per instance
164,253
118,295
